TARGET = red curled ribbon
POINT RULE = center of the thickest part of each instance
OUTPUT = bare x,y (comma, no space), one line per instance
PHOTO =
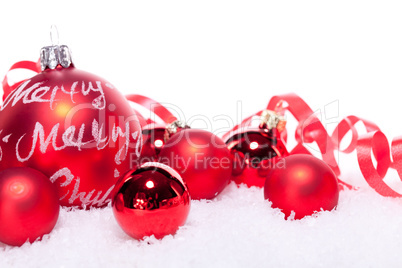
374,142
164,114
26,65
309,130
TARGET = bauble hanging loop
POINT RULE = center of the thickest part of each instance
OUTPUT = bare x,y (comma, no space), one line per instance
55,55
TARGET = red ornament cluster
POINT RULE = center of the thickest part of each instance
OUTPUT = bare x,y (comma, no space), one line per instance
250,156
68,125
201,158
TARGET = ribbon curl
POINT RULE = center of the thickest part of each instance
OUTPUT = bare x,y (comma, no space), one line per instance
158,109
374,142
25,65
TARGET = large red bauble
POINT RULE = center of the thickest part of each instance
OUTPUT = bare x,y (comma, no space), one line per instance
201,158
152,200
255,151
29,205
74,127
303,184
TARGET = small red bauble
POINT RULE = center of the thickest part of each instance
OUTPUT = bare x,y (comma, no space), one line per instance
303,184
201,158
153,137
255,151
29,205
152,200
74,127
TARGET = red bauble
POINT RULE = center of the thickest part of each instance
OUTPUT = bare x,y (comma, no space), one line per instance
74,127
255,151
152,200
153,137
303,184
29,205
201,158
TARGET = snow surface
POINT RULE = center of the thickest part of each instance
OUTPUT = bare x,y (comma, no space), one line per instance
237,229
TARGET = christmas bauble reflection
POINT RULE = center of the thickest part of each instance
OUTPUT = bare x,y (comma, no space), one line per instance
254,152
152,200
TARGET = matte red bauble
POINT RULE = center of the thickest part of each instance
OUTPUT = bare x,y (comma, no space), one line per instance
152,200
74,127
303,184
256,150
201,158
29,205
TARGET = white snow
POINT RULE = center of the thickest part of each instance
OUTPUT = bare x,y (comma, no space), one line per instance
237,229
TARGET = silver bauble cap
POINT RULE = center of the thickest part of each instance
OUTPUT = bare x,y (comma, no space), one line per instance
54,55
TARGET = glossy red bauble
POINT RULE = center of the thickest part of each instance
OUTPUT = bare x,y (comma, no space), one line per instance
29,205
152,200
74,127
201,158
255,151
303,184
153,138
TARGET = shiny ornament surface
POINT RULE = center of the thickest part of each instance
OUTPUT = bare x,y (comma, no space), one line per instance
74,127
29,205
152,200
153,141
255,151
201,158
303,184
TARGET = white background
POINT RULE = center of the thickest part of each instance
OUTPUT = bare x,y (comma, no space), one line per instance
205,56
